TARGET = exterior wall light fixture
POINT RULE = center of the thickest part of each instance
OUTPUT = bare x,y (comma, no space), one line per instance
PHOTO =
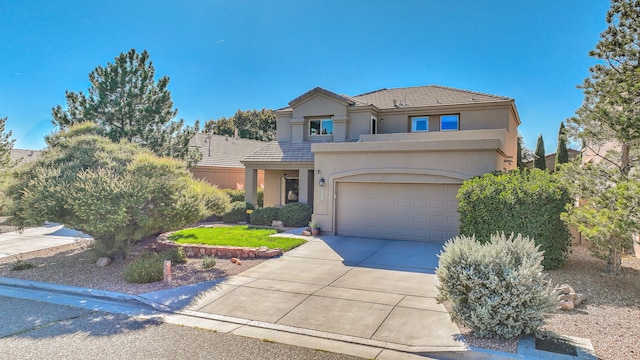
321,182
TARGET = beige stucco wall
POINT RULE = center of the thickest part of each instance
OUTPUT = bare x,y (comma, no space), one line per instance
224,178
273,186
438,161
283,126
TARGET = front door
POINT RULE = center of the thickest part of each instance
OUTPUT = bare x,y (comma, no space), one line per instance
290,193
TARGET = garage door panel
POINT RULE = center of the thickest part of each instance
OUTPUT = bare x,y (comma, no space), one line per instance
422,212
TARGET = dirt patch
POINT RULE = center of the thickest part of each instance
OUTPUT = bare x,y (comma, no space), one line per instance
73,264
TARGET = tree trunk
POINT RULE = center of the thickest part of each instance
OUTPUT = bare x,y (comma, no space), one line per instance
614,261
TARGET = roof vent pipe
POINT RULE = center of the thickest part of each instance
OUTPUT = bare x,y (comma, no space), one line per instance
395,103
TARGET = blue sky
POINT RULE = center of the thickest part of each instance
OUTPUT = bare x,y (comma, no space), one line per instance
222,56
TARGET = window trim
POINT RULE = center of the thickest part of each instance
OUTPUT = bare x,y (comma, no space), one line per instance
457,122
412,123
321,119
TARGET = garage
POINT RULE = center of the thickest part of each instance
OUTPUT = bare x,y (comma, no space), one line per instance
418,212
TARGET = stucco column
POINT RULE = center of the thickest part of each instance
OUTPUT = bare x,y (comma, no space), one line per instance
251,186
303,186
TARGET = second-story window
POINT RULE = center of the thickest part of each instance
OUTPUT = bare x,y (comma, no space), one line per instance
449,122
321,127
419,123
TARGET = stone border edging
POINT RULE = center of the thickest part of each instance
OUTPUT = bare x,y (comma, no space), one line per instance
198,250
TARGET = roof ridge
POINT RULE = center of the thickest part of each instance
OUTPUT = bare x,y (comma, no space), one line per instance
371,92
469,91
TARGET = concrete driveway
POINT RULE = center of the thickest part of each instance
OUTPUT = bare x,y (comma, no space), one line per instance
366,291
33,239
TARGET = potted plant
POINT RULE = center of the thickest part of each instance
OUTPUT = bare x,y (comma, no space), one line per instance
315,228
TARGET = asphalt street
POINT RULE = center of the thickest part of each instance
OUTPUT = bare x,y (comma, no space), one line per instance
37,330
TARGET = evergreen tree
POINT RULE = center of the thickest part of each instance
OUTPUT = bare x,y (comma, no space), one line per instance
540,162
251,124
562,154
610,118
128,103
6,145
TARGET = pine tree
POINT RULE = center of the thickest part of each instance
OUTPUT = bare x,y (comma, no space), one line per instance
610,117
128,103
6,145
540,161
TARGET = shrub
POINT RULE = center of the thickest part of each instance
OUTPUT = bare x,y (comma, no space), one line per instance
260,203
528,202
208,262
264,216
147,268
117,193
237,212
234,195
496,288
295,214
21,265
175,254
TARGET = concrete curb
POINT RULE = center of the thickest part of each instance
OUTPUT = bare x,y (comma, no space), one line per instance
85,292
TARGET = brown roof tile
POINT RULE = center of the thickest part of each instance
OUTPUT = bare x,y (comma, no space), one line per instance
282,151
223,151
419,96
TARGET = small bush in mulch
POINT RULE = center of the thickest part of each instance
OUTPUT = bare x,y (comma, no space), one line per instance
147,268
176,255
208,262
22,265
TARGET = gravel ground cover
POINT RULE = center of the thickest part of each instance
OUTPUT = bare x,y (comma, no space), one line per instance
610,317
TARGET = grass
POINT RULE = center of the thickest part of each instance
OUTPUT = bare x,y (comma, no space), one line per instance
242,236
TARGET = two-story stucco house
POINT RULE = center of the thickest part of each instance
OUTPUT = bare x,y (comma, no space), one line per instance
384,164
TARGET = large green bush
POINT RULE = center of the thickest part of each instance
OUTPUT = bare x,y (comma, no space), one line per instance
497,289
295,214
264,216
117,193
528,202
237,212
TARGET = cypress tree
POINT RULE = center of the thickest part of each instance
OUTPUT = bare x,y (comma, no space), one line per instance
539,162
562,154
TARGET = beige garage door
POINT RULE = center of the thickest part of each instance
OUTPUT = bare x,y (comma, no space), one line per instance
421,212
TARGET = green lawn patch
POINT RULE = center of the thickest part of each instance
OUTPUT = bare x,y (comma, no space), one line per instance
242,236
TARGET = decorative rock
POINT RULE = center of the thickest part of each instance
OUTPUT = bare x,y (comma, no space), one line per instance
103,261
565,289
277,223
566,305
236,261
306,233
565,297
578,299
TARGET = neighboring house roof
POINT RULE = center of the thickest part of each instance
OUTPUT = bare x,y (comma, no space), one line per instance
550,159
223,151
407,97
24,156
283,151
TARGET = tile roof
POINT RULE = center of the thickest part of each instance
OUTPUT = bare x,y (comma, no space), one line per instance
407,97
283,151
431,95
223,151
344,98
23,155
